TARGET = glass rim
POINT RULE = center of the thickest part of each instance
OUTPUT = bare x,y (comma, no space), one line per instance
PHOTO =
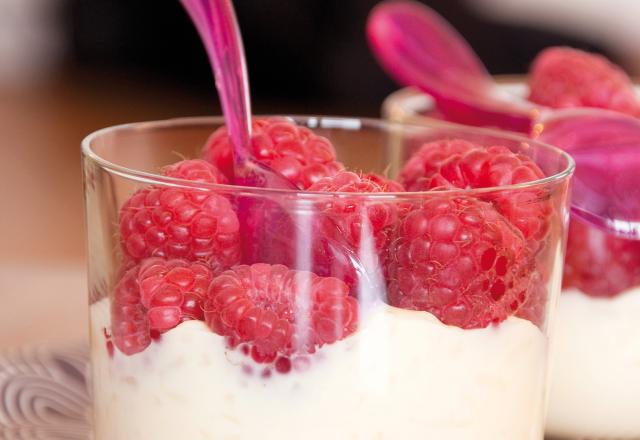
319,121
411,100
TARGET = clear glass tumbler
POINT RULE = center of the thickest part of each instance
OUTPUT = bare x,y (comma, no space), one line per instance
220,311
597,323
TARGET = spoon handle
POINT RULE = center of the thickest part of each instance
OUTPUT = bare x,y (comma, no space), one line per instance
218,27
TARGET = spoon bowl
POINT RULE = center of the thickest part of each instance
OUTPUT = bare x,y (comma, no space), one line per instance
419,48
606,148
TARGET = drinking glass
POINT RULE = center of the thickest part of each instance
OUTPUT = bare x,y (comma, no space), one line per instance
220,311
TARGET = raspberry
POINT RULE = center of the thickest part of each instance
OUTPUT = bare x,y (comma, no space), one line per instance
459,259
600,264
386,184
196,170
564,77
340,220
347,181
426,162
129,323
295,152
347,213
182,223
173,288
155,296
478,167
279,312
332,225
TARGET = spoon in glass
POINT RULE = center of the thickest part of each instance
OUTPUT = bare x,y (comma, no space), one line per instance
217,25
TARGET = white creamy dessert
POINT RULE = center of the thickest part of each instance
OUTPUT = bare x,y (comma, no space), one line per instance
595,375
402,375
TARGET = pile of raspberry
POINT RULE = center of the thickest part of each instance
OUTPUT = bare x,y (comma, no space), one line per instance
469,261
598,264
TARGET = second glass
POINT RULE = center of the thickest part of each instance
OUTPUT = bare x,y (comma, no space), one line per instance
598,327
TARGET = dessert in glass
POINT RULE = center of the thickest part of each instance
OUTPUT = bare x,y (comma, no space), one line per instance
595,385
389,297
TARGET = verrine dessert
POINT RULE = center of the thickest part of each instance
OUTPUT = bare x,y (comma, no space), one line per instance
598,326
595,383
404,291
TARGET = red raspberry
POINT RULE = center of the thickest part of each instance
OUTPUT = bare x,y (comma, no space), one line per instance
426,162
296,152
181,223
600,264
195,170
564,77
279,312
340,220
173,290
478,167
129,322
459,259
156,295
387,185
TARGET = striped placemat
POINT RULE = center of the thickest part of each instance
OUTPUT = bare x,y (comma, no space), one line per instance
44,394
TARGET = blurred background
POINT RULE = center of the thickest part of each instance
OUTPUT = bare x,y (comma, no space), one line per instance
68,67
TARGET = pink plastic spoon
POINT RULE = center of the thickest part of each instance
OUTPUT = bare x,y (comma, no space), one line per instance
606,148
216,23
266,224
419,48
